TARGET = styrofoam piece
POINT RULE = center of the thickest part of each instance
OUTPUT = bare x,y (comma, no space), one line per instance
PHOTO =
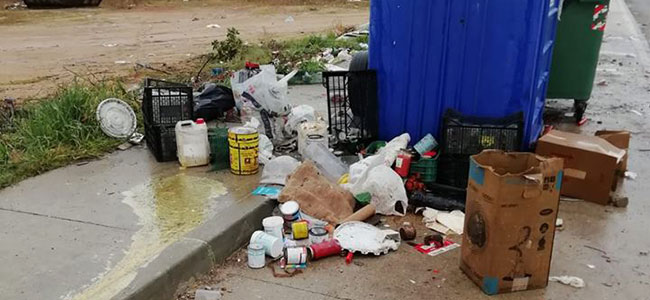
364,238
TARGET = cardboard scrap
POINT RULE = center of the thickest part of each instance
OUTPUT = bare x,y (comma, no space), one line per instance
316,195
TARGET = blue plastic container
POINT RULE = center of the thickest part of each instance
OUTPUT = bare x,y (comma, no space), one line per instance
486,58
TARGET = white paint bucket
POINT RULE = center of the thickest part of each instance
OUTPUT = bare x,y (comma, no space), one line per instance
296,256
256,258
272,245
273,226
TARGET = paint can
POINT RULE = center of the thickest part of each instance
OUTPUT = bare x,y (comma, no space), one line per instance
403,163
318,235
426,144
300,230
256,258
243,144
272,245
290,213
327,248
273,226
295,256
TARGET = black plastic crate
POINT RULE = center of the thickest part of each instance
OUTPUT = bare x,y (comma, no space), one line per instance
352,105
161,141
166,103
464,136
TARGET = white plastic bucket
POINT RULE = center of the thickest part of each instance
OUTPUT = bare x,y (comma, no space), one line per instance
256,258
272,245
273,226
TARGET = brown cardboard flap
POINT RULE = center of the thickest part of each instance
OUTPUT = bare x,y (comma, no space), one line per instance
575,173
583,142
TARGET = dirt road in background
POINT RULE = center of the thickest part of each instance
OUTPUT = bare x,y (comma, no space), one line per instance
39,49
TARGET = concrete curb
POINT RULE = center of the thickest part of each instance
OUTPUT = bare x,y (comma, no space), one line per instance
209,244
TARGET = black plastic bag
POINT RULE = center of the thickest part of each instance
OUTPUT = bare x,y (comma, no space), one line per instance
213,102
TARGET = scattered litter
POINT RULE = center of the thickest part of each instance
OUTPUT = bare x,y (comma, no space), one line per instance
444,222
594,248
349,257
202,294
573,281
265,153
365,238
269,191
124,146
630,175
643,253
213,26
289,19
636,112
109,45
591,266
412,281
121,62
620,201
116,118
407,232
278,169
559,224
288,272
570,199
433,249
602,83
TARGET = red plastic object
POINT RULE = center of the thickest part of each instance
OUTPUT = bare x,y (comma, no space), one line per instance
582,121
349,257
403,164
414,184
200,121
250,65
325,249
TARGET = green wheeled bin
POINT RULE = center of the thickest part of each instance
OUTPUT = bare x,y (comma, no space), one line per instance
575,56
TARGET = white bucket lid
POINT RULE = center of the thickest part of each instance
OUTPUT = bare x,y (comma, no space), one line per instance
274,221
289,208
116,118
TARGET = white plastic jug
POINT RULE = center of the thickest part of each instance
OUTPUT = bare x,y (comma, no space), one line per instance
192,143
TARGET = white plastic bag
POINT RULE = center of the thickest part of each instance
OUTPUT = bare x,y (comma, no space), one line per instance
383,184
265,150
390,151
264,88
277,170
298,115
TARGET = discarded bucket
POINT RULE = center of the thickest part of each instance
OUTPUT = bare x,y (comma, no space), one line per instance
272,245
325,249
311,133
295,256
256,258
318,235
273,226
244,146
300,230
426,144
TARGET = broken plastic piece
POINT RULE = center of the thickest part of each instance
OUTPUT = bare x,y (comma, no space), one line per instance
573,281
365,238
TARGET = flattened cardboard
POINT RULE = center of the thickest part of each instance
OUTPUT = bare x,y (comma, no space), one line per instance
620,139
590,164
511,209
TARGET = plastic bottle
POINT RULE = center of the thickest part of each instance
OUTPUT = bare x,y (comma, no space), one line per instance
192,143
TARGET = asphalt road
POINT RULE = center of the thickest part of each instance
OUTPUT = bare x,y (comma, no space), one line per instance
641,11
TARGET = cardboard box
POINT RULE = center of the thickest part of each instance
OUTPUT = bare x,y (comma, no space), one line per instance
590,164
620,139
512,204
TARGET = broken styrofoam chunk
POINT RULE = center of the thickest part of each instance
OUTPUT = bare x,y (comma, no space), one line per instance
364,238
573,281
207,295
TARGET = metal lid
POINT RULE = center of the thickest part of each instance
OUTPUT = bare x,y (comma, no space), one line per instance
318,231
116,118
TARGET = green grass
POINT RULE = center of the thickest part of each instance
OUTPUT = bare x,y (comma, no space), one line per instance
54,132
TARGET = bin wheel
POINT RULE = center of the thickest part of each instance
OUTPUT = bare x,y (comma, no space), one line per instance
579,108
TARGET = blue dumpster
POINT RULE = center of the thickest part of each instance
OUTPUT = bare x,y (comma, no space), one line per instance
485,58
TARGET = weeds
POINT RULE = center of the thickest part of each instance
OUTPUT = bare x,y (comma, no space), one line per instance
53,132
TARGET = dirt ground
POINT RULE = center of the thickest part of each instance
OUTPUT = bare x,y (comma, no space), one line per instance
43,48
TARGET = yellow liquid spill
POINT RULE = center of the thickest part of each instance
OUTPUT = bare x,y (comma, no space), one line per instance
167,209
